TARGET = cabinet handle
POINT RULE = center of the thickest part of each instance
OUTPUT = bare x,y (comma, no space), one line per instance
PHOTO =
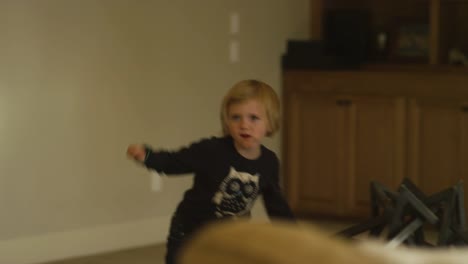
464,108
344,102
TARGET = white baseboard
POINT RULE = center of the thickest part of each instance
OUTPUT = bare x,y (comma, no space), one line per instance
56,246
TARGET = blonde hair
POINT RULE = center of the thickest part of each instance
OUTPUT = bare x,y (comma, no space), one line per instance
257,90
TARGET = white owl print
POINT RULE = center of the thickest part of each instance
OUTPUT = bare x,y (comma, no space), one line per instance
236,194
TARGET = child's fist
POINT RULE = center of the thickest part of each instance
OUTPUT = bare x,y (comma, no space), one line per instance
136,152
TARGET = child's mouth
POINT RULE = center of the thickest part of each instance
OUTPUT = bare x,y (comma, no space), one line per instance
245,136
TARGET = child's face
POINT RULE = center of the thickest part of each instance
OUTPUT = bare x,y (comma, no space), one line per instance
247,124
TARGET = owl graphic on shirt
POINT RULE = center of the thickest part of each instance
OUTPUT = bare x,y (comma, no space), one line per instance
236,194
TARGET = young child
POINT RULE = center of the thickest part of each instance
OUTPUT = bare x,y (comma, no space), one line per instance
230,171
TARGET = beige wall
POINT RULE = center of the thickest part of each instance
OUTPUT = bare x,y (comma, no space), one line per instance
80,79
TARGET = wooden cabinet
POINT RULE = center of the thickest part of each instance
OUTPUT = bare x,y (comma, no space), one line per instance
344,129
342,136
438,138
374,147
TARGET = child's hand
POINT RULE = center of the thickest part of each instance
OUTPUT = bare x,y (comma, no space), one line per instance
136,152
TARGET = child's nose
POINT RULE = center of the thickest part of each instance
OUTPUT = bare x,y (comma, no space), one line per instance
244,123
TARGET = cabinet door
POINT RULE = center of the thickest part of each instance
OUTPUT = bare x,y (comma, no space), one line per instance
375,143
335,145
438,143
314,149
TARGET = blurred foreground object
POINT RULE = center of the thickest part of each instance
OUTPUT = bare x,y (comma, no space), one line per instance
282,243
272,243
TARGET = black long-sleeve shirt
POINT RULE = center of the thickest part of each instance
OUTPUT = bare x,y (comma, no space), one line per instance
225,183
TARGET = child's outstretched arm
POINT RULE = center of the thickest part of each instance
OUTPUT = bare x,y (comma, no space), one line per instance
185,160
136,152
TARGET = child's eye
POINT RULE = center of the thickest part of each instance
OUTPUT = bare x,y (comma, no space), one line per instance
234,117
254,118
